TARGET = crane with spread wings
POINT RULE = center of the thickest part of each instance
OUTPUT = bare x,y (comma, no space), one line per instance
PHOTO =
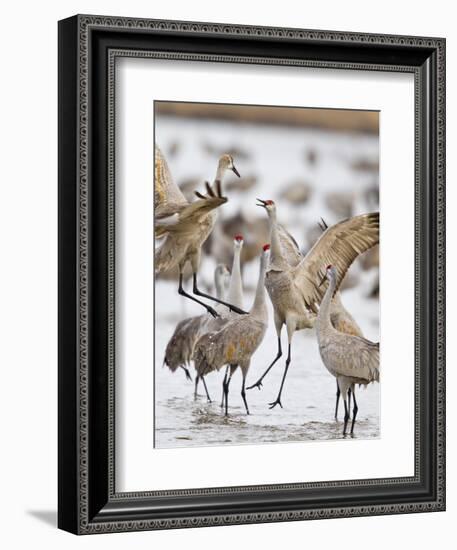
293,280
184,226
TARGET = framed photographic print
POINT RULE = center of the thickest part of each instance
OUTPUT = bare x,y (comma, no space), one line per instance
251,274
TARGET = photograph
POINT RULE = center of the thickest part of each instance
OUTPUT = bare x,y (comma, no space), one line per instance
266,274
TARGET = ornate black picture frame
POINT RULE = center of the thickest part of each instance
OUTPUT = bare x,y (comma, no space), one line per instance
88,501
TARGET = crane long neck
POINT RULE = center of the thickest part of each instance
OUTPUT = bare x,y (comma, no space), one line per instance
235,293
275,242
323,317
220,287
220,172
259,307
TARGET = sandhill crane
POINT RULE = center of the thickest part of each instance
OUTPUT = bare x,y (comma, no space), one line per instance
292,280
185,226
237,341
351,359
235,292
342,321
180,347
235,297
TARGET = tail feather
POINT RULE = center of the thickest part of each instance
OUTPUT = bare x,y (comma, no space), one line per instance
203,360
166,257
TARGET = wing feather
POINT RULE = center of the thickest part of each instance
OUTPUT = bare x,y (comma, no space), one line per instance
362,362
232,344
180,347
168,198
353,357
339,245
289,247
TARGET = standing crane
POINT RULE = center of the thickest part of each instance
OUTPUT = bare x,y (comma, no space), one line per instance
180,347
350,359
342,321
293,282
184,226
236,342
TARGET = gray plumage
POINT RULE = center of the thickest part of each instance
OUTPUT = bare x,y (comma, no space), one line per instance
183,227
350,359
236,342
180,347
178,352
341,319
292,280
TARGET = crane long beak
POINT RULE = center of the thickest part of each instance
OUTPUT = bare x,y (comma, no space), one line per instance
323,280
235,171
262,203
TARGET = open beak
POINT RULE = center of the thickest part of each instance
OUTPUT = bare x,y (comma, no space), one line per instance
262,203
323,225
235,171
323,280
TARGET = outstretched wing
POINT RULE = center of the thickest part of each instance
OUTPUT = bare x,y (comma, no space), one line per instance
191,214
289,247
339,245
168,198
205,203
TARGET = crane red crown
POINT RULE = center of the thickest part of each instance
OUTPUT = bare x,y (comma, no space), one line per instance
269,201
266,247
238,237
329,266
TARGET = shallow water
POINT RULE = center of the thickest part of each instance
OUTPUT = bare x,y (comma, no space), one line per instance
308,399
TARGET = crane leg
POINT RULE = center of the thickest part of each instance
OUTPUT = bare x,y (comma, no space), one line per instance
223,386
243,394
226,391
208,398
278,399
186,370
198,292
354,412
258,384
338,392
197,379
346,414
182,292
